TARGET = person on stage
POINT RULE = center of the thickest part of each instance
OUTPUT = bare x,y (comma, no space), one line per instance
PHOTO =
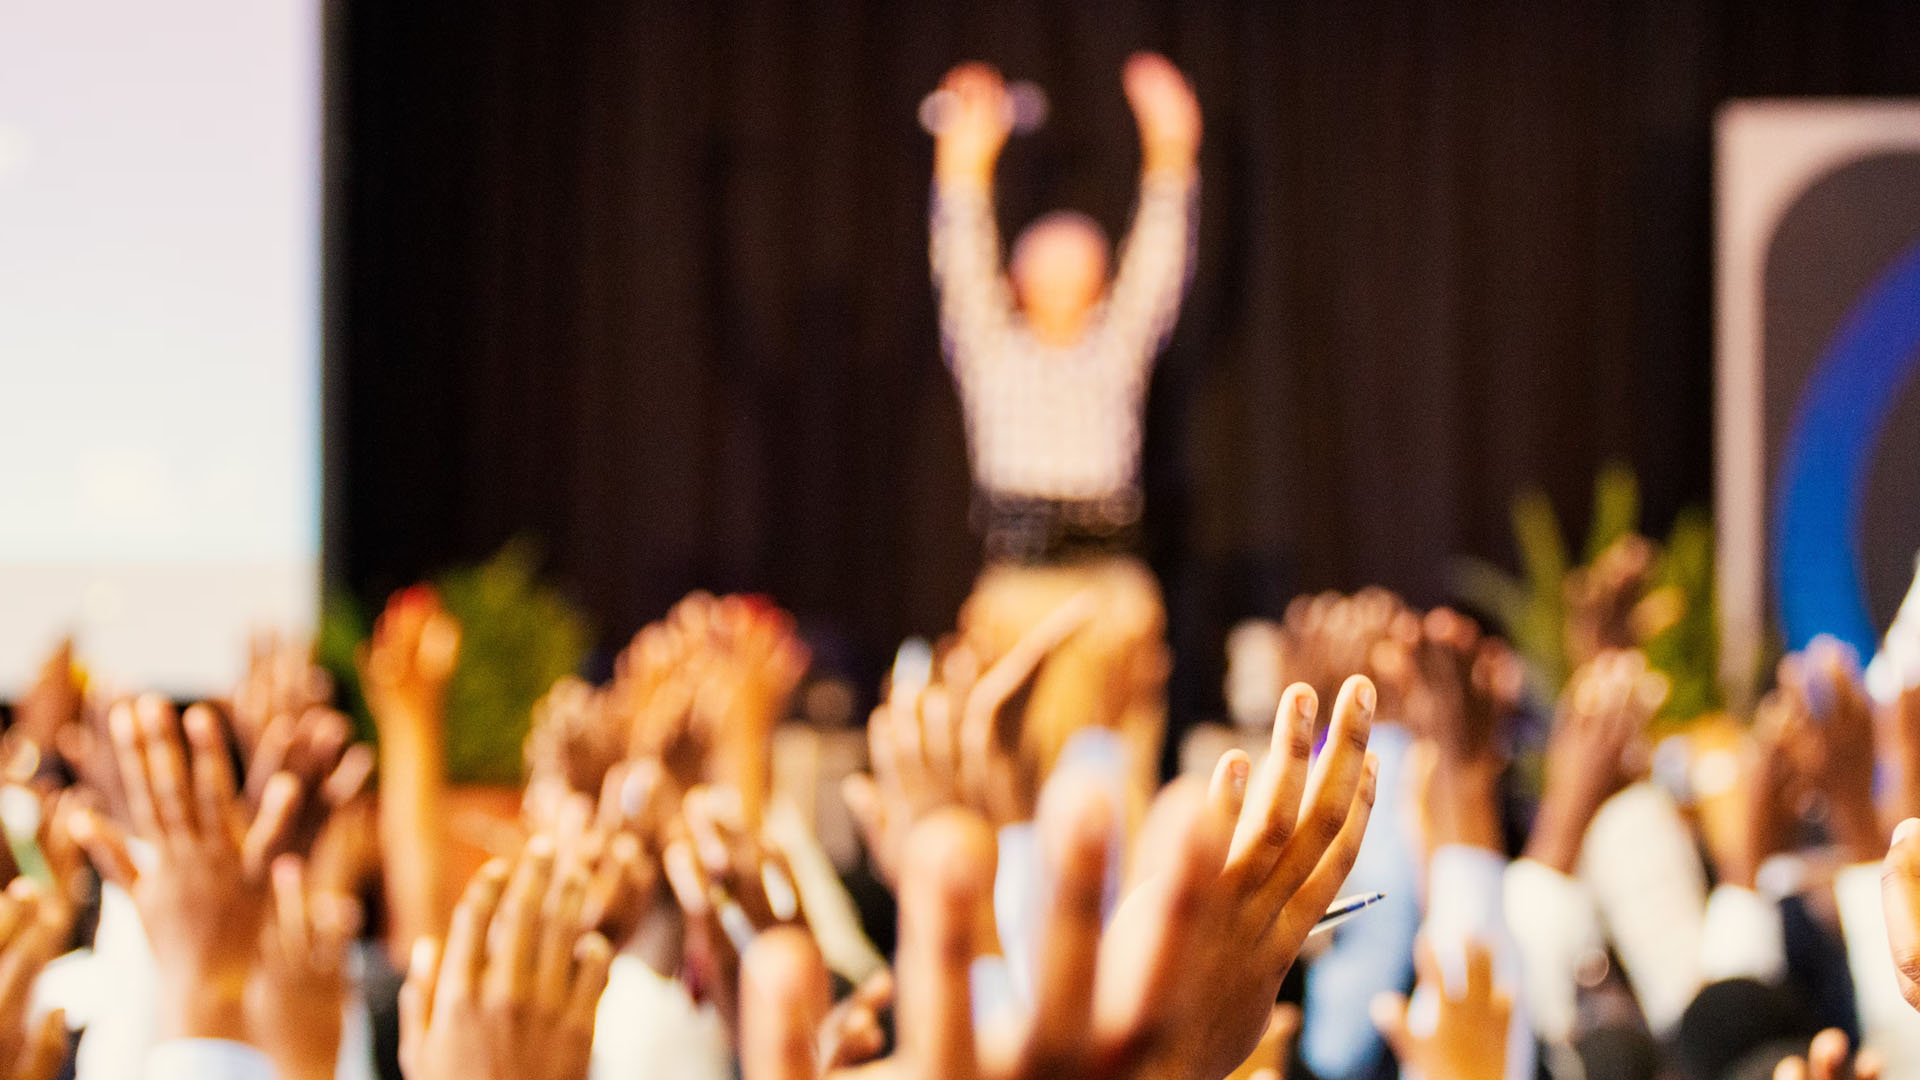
1052,358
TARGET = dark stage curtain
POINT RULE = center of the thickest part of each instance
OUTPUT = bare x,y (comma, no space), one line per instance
647,282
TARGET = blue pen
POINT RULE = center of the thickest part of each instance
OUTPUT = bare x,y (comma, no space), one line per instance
1343,909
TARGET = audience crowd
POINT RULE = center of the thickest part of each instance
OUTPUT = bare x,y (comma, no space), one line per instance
237,889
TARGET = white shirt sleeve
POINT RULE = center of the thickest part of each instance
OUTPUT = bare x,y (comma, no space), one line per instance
976,303
1887,1023
1555,929
1640,865
1466,904
1154,267
1742,937
206,1059
647,1027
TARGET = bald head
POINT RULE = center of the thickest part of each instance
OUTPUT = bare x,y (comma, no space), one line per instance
1058,271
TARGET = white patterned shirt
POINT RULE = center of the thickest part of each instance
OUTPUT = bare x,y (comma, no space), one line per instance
1048,421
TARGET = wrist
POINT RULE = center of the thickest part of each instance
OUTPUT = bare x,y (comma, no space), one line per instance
1466,805
1558,833
963,175
201,1004
1856,828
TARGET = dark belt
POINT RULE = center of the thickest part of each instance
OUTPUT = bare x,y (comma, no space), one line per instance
1035,531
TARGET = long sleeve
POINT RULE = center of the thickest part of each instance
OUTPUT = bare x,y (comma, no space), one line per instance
1742,937
647,1027
1644,873
976,303
1555,929
207,1059
1155,263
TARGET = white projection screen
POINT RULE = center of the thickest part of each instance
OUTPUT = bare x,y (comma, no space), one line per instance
159,333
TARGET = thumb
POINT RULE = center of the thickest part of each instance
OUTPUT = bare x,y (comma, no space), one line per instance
48,1050
783,999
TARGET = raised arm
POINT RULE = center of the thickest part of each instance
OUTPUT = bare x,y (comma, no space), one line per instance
975,301
1158,255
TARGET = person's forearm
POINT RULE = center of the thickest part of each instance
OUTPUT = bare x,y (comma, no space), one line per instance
1560,829
197,1004
1466,805
953,169
1857,829
412,836
1168,164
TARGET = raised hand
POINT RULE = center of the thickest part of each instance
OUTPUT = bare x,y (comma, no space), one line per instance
1603,600
976,126
1605,709
1180,984
28,1051
295,998
312,747
204,896
281,680
405,668
1833,718
955,741
1165,108
53,702
1469,1037
730,886
512,995
1292,829
575,739
1460,691
409,660
1830,1057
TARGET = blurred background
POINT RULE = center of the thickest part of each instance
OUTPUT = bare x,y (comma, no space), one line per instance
647,283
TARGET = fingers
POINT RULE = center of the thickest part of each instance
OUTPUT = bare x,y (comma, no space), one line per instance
166,768
1273,795
24,947
514,936
1227,791
783,1000
1302,907
213,784
1900,896
417,1000
1792,1068
559,937
272,823
1076,824
592,963
291,919
465,951
106,847
1338,773
350,777
123,728
1829,1056
46,1051
948,876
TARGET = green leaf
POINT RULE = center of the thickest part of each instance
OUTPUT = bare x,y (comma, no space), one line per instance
1616,508
517,637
